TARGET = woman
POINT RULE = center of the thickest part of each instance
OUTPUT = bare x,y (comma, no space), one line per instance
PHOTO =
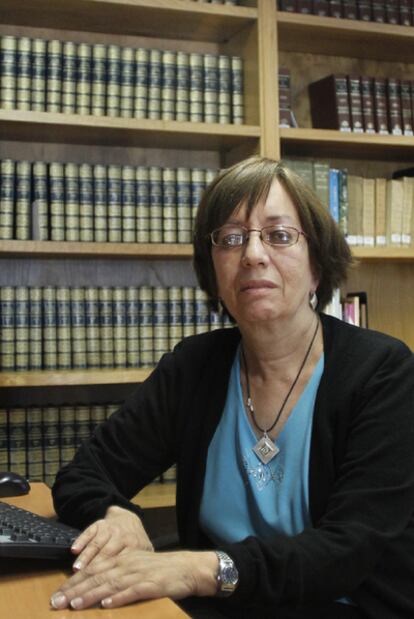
292,435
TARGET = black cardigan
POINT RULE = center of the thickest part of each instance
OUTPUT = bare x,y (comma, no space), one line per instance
361,480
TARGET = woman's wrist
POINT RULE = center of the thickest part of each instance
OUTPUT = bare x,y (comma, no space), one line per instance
205,568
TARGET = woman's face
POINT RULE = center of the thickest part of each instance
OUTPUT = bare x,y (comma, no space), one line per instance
258,282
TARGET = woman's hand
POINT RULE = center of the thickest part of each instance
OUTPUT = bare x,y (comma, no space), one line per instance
135,575
120,529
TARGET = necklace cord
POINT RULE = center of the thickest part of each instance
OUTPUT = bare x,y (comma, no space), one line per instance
249,402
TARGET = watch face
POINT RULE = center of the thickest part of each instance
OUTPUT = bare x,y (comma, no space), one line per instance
229,575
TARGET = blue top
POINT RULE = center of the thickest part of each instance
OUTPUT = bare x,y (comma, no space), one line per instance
242,496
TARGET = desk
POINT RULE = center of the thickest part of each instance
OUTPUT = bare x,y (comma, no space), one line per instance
25,589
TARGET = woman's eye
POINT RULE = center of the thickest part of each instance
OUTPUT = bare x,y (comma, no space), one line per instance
279,236
232,239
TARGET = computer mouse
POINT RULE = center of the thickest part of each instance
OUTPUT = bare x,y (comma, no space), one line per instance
13,484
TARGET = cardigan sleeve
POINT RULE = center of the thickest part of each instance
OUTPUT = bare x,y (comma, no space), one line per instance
125,453
370,499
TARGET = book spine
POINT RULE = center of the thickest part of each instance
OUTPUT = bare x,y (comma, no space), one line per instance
154,84
196,87
355,103
23,200
63,328
38,81
100,203
380,105
394,106
78,327
127,79
198,183
7,332
335,8
51,447
66,434
132,327
343,201
237,81
210,88
406,114
288,5
141,83
350,10
146,338
40,206
168,84
330,103
155,195
56,201
82,425
23,82
334,194
4,440
319,7
114,204
34,443
378,11
285,107
184,206
201,311
391,11
368,212
321,181
160,321
405,12
69,77
106,330
364,10
394,212
72,207
143,204
98,80
84,78
8,64
224,89
93,347
128,204
86,206
17,441
35,328
22,324
120,327
175,316
188,311
7,198
182,95
97,415
367,101
113,86
380,212
54,76
169,209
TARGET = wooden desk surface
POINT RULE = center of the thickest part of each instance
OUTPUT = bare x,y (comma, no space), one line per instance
25,589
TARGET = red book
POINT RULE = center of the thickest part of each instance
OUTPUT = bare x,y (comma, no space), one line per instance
285,103
329,103
367,99
394,106
380,105
355,103
406,112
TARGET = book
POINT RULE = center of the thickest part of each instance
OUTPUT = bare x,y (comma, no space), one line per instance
168,84
380,105
7,198
40,205
100,201
92,328
394,106
334,194
224,89
113,80
237,90
364,10
127,82
69,77
156,205
120,327
23,81
188,311
34,444
98,79
355,103
38,77
196,86
8,73
160,321
86,202
35,328
106,331
175,316
329,103
146,330
7,328
197,186
380,212
285,103
343,201
23,201
72,205
394,212
405,8
201,311
78,327
169,205
82,424
17,441
54,75
141,82
354,232
154,84
22,326
51,440
210,88
63,328
132,327
4,440
391,11
184,205
67,438
335,9
128,201
84,77
319,7
407,210
143,204
57,201
114,204
349,8
406,112
367,102
378,11
368,211
182,93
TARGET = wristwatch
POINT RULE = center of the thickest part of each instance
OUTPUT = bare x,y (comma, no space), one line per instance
227,575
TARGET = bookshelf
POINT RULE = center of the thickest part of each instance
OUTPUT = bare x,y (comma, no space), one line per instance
310,46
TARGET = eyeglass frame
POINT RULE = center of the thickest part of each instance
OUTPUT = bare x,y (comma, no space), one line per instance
260,230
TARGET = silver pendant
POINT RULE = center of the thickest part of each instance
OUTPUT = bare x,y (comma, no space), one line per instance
265,449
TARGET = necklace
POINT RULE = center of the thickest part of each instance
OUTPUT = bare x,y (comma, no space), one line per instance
265,449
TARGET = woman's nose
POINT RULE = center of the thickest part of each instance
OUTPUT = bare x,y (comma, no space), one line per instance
255,250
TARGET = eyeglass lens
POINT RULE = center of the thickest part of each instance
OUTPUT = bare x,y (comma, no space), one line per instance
234,236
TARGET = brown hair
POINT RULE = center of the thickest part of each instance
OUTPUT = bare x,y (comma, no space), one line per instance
246,183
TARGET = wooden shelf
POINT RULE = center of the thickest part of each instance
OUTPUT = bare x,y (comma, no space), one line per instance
107,131
171,19
156,495
62,378
344,37
390,254
331,143
56,249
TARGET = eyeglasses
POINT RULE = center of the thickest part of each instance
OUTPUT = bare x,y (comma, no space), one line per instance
230,236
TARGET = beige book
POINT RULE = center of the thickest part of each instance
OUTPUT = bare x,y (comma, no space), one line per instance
355,210
380,211
395,194
368,211
407,214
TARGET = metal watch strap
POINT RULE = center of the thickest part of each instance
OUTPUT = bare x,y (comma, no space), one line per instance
227,575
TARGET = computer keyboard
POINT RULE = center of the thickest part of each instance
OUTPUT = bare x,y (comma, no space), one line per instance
26,535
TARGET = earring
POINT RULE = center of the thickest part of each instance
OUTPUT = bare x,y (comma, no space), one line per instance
313,300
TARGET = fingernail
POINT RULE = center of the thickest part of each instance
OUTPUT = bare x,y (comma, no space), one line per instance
106,602
76,603
58,600
77,565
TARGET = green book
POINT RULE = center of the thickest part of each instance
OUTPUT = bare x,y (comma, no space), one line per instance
182,92
141,82
98,79
67,438
143,206
38,78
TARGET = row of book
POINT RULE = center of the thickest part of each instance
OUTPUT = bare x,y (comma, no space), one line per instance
117,81
37,441
84,202
363,104
352,308
370,211
380,11
88,327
